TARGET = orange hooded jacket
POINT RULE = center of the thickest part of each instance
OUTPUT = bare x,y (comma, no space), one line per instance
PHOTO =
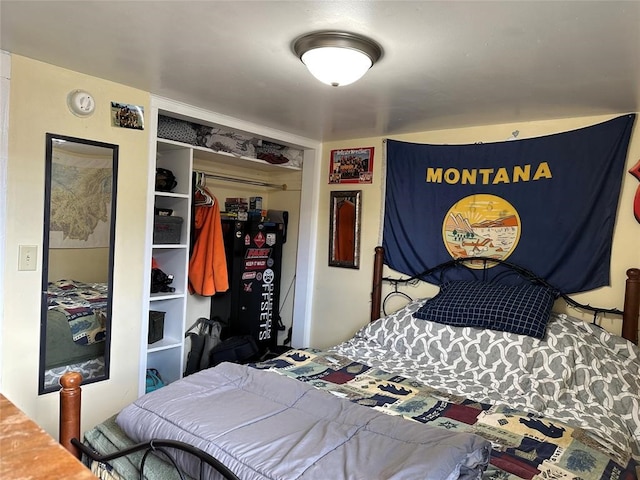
208,263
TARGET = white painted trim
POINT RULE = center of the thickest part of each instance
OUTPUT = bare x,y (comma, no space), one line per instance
5,84
307,244
151,124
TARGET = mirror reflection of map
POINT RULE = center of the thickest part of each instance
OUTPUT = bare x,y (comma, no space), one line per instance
481,225
80,202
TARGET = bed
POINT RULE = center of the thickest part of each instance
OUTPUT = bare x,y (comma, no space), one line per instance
504,390
75,330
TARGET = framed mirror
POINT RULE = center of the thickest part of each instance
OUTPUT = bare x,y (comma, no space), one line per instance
344,229
77,255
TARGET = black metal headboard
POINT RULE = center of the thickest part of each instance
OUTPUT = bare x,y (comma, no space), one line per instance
488,269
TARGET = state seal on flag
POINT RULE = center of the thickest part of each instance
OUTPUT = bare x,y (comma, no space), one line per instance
481,225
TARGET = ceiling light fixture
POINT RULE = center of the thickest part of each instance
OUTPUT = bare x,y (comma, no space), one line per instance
337,58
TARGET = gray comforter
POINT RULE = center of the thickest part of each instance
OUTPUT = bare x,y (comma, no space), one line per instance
266,426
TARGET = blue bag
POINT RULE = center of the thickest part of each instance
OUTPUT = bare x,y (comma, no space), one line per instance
154,380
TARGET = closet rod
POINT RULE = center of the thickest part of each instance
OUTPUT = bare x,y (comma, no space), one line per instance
282,186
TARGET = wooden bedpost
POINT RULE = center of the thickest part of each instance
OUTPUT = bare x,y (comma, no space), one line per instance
376,290
70,396
631,306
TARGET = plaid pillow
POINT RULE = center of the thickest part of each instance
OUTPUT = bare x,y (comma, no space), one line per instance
521,309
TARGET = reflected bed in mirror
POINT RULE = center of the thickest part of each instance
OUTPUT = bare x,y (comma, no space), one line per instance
344,234
77,256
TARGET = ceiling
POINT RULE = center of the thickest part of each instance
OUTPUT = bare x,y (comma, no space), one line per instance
446,64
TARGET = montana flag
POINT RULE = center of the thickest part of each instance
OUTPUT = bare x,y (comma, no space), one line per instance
547,204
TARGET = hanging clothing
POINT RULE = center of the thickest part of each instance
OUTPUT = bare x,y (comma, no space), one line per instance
208,263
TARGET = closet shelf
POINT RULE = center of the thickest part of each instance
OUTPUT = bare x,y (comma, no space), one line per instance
171,195
164,344
156,297
224,158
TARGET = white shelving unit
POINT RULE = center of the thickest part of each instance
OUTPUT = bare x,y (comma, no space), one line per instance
166,355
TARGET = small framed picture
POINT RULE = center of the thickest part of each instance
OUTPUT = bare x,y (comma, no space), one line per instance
125,115
351,165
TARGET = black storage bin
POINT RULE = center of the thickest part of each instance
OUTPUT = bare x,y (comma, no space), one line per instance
166,229
156,326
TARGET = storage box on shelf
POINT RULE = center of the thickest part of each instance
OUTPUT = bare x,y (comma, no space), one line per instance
167,229
172,335
156,326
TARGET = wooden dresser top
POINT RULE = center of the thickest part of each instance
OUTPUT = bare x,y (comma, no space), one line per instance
28,452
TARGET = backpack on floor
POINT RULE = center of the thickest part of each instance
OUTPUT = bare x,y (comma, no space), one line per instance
204,336
238,349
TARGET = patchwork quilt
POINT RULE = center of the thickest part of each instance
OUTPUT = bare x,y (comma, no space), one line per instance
84,306
524,445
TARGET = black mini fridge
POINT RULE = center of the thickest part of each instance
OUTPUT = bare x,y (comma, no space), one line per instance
251,305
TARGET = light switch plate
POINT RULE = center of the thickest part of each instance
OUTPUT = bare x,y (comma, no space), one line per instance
27,257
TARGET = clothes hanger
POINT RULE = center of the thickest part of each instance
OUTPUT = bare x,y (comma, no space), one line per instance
203,196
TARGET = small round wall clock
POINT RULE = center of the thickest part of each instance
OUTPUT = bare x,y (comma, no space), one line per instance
81,103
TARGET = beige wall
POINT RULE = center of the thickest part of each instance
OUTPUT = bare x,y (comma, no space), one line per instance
83,264
37,106
340,311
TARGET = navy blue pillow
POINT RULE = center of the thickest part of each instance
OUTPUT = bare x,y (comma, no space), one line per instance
521,309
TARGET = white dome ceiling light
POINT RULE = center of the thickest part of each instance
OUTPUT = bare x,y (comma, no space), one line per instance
337,58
